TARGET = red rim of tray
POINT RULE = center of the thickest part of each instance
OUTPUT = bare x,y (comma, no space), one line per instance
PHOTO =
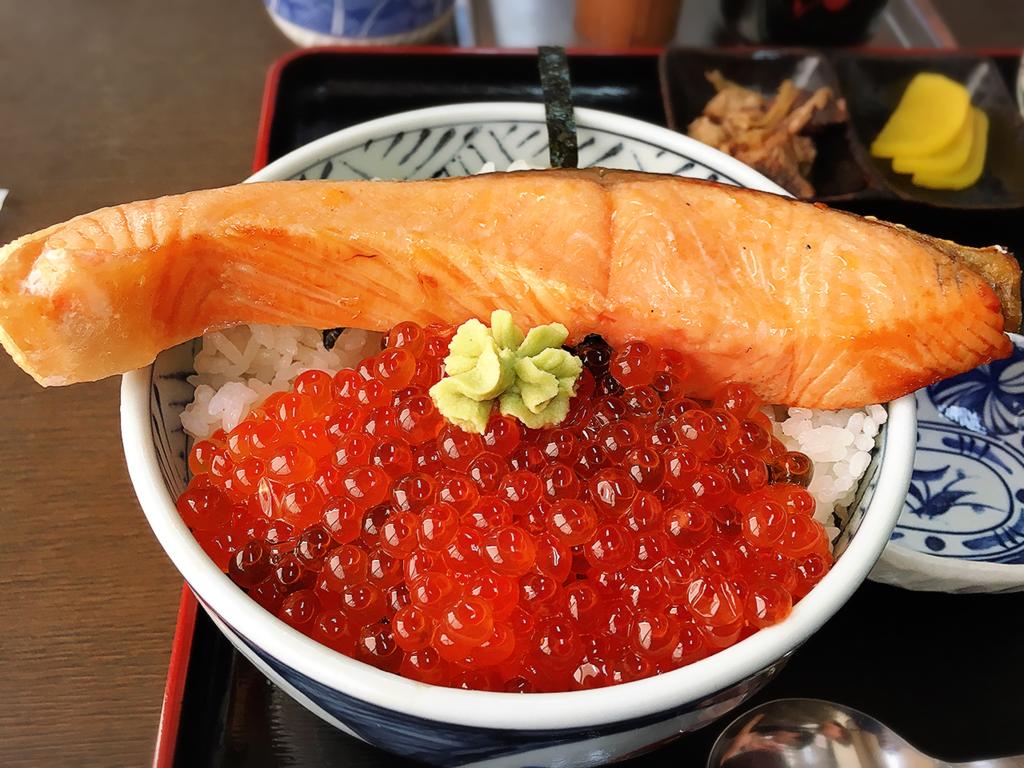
174,687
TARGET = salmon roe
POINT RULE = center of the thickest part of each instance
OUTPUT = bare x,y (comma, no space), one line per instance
646,531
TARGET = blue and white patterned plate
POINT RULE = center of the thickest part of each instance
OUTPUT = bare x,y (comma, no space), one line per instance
962,527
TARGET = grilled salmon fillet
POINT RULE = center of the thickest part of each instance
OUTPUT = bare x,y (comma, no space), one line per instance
810,306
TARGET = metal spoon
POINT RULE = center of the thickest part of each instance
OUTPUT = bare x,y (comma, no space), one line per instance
808,733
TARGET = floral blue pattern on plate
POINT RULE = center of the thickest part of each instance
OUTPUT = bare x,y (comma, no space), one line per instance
966,498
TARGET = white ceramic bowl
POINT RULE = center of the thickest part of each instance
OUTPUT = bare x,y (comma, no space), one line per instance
446,726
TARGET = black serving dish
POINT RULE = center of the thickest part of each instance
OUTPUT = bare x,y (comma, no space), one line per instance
836,173
873,84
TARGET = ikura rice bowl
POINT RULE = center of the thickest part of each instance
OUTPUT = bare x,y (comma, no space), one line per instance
585,554
622,542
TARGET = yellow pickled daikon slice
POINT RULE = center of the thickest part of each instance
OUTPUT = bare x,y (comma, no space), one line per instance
949,159
971,170
931,112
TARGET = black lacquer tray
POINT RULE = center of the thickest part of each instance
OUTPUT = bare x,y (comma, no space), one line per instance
945,670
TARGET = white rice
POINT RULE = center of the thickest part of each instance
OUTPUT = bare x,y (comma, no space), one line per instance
839,444
238,368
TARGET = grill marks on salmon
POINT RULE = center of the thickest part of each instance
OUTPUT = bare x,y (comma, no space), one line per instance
810,306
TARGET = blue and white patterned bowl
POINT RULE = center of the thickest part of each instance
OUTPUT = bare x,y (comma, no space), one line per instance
347,22
962,527
456,727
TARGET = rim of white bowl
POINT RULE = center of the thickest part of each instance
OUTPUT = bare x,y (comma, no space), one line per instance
541,711
321,149
929,572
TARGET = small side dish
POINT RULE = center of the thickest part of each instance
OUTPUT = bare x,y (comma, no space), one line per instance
935,134
774,135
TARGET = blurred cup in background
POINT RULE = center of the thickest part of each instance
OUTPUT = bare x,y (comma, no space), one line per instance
627,23
360,22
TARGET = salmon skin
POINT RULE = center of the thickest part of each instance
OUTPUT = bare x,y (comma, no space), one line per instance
810,306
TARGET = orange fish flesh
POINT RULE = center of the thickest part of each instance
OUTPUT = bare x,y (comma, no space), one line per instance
810,306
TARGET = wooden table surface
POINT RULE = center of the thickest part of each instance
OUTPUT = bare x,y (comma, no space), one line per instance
101,102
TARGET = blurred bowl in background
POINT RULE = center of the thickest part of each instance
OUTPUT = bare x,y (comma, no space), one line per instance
309,23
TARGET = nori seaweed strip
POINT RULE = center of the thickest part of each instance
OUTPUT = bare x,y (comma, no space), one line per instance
330,336
563,147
